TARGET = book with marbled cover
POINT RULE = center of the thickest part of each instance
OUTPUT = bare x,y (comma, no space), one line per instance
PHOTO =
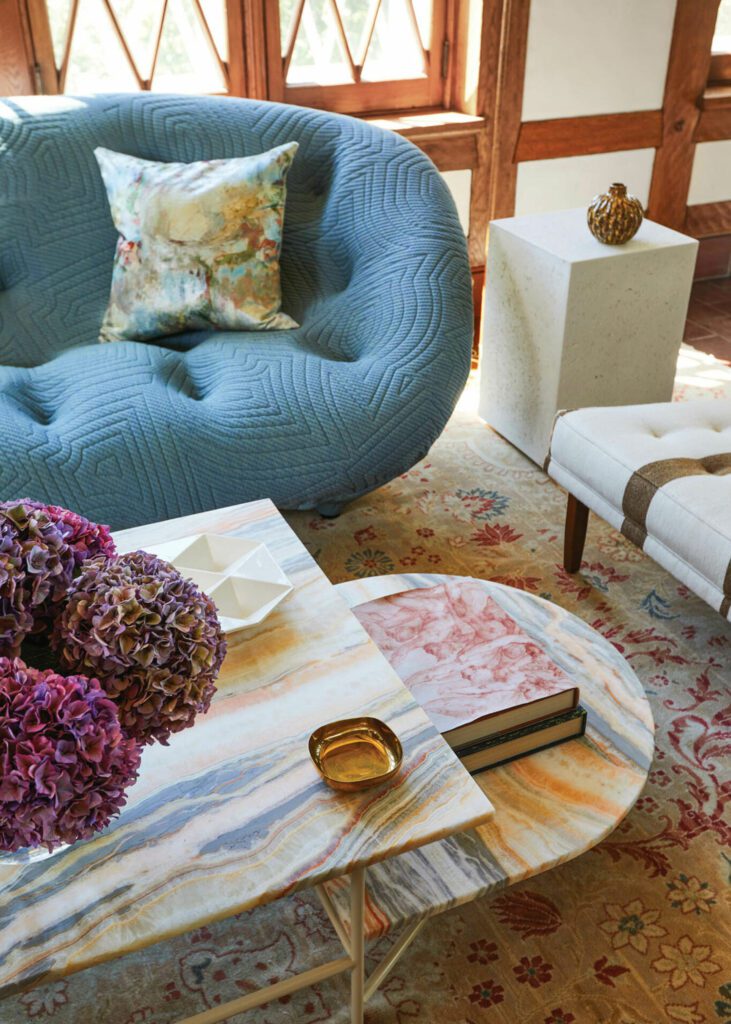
467,662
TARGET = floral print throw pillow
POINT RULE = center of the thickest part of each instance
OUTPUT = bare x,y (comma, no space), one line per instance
198,244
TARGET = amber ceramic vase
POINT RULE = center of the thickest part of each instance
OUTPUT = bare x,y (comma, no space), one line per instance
614,217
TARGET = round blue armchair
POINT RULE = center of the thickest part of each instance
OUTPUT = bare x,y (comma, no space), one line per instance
374,268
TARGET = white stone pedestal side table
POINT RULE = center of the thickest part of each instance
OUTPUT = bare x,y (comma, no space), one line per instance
570,322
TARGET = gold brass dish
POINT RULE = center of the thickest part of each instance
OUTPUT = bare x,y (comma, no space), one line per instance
355,753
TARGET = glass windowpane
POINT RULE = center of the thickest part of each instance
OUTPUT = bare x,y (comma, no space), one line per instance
395,50
215,12
97,62
318,55
185,62
58,16
139,20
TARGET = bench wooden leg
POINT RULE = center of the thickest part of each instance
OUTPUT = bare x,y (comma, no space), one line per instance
577,518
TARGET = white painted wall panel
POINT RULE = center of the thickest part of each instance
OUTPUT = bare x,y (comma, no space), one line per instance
711,180
572,181
596,57
460,184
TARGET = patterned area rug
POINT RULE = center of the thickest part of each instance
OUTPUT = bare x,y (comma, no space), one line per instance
637,931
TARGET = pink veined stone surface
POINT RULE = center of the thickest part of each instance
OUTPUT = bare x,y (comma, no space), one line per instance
551,806
461,655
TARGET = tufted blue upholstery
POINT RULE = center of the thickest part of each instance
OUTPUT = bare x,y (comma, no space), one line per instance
374,267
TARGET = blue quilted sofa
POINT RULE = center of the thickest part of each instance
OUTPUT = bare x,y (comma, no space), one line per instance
374,268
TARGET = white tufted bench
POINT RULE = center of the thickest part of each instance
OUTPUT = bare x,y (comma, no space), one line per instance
659,473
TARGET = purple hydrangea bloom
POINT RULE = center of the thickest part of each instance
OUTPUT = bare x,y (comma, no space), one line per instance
150,634
16,619
85,538
65,762
41,549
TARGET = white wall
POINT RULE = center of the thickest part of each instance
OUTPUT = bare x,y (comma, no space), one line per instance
711,180
572,181
596,57
459,184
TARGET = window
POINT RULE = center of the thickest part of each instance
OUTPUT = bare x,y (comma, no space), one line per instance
720,73
356,56
121,45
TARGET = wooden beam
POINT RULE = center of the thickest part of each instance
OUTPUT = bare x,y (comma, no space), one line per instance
236,65
713,125
489,83
508,107
716,97
479,28
704,220
579,136
480,89
16,71
720,70
687,75
260,22
480,80
467,22
450,153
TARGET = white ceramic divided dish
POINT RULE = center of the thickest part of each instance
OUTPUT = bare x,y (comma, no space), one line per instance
241,576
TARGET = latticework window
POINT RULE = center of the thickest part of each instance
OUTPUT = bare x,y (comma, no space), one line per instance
165,45
353,56
357,55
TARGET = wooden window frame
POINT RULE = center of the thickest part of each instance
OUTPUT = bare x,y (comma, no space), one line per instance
16,58
51,79
360,97
720,70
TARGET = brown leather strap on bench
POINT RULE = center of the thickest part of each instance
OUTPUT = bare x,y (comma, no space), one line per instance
645,482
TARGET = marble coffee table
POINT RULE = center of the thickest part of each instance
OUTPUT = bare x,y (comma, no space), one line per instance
232,814
549,807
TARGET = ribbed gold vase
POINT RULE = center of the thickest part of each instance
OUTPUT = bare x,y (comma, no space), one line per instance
614,217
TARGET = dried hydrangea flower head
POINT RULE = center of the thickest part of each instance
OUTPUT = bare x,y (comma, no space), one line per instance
16,619
65,762
85,538
150,634
41,549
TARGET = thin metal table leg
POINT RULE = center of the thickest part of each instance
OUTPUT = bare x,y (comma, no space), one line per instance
357,944
391,958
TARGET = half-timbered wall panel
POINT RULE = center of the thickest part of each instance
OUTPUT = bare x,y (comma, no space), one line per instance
711,179
566,182
459,184
596,57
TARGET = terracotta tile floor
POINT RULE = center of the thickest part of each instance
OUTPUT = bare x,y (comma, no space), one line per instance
708,326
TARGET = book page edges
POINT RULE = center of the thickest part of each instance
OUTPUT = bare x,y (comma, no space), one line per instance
512,718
